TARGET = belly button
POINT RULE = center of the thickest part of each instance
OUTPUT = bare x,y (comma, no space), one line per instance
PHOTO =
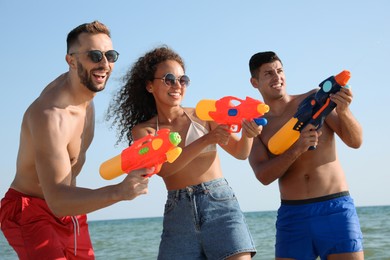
307,177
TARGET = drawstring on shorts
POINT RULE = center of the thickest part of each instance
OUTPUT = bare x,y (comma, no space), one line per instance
76,228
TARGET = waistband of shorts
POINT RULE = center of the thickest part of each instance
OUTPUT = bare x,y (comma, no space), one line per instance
12,194
314,200
204,186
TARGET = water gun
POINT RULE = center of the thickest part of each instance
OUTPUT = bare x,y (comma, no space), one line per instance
149,151
226,111
312,110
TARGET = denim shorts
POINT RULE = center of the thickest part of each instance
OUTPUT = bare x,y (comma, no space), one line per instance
204,222
318,227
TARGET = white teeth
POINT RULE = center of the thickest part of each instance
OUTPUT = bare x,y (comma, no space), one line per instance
174,94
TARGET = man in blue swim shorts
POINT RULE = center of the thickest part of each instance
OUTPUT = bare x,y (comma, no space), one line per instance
317,216
322,226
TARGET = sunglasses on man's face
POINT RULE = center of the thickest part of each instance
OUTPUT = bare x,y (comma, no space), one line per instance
170,80
96,56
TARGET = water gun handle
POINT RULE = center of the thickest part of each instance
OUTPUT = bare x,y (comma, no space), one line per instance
157,168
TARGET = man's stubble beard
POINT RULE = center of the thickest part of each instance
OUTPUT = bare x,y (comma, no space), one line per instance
86,80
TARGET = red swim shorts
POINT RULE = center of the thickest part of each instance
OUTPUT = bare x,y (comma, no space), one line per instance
36,233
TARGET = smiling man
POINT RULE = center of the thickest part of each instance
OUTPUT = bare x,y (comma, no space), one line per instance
317,216
43,213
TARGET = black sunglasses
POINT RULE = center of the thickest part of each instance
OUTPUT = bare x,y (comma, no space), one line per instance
96,56
170,80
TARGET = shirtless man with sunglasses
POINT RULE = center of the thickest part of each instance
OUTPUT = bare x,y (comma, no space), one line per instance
43,214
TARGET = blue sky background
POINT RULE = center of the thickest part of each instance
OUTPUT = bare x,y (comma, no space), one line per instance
314,39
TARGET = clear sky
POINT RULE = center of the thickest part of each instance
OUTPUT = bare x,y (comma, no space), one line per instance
314,39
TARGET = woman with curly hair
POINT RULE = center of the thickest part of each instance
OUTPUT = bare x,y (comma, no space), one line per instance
202,218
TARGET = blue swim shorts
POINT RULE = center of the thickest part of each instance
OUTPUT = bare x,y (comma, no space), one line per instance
204,222
322,226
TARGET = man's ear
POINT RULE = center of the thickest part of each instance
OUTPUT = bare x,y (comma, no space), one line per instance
254,82
71,61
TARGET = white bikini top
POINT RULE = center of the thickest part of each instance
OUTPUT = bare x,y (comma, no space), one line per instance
195,131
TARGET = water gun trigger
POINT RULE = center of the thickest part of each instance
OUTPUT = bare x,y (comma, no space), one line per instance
235,128
157,168
259,121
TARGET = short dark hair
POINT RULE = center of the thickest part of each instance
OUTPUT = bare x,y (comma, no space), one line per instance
94,27
259,59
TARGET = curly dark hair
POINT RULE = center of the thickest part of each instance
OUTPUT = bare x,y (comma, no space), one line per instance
133,104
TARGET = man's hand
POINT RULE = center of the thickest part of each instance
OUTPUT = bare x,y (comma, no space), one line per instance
309,137
134,184
219,135
343,99
250,129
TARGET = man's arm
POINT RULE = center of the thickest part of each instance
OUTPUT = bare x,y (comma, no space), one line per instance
268,169
342,121
240,147
52,131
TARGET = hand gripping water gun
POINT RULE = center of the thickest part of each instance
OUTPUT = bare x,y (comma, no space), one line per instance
149,151
312,110
224,111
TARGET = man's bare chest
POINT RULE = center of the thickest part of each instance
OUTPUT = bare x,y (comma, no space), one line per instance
80,140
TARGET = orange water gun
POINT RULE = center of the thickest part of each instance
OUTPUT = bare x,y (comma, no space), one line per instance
312,110
231,111
149,151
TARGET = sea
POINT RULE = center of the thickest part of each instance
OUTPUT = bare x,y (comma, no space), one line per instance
139,238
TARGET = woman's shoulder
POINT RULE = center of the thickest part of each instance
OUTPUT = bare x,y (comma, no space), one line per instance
147,127
190,111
